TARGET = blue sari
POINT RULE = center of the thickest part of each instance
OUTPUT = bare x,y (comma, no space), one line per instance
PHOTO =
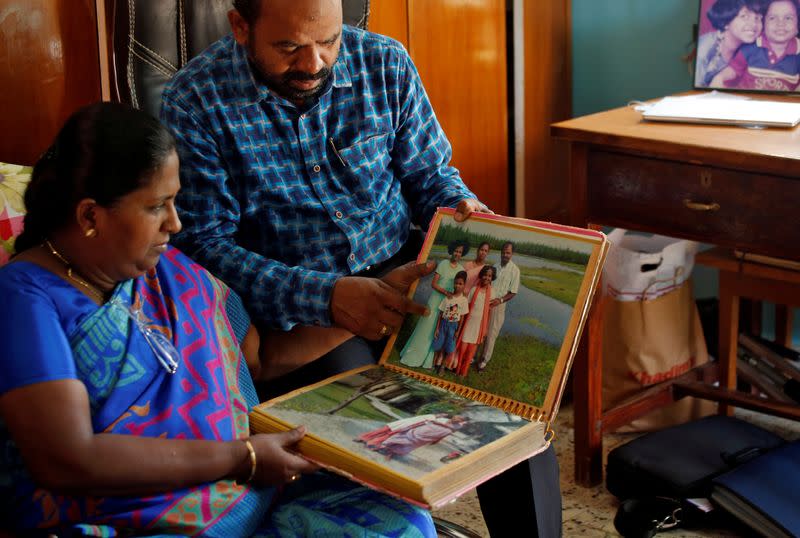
131,393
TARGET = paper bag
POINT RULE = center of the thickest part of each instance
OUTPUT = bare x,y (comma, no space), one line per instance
646,266
646,342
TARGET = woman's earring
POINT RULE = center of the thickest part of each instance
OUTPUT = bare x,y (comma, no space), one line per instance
91,232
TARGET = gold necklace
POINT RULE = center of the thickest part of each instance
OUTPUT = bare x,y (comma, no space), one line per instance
71,274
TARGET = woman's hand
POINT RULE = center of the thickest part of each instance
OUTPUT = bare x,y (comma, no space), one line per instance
276,461
435,285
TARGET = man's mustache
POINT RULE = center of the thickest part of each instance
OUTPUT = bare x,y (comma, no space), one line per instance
299,75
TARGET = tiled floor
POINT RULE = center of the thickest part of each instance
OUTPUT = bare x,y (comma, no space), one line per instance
590,511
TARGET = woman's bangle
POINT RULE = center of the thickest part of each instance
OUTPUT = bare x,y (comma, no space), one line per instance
252,455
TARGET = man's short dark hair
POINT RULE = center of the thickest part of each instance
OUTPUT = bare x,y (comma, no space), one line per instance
508,244
248,9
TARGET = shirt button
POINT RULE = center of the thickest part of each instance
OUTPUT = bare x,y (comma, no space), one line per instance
316,168
352,257
339,215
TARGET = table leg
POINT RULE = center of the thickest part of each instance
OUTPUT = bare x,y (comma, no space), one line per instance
587,400
728,335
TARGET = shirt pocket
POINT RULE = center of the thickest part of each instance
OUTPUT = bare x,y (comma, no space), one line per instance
366,169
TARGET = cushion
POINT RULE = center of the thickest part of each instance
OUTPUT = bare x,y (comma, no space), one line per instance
13,181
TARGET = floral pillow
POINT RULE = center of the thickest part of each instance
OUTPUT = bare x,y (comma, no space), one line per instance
13,181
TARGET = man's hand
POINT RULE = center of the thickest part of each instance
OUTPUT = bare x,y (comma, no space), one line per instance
466,206
374,308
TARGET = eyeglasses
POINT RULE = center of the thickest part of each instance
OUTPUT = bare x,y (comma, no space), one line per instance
164,350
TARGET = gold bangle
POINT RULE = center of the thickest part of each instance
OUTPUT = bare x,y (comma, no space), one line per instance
252,455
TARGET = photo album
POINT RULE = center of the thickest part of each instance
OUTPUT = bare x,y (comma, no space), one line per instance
469,390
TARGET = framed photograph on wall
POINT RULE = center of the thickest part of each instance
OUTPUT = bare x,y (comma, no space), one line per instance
750,45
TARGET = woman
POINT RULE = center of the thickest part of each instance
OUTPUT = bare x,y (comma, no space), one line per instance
423,432
122,388
736,22
474,330
418,352
474,267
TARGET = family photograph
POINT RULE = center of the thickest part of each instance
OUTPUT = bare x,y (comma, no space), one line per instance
500,302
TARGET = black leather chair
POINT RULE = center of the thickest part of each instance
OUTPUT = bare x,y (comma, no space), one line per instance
151,39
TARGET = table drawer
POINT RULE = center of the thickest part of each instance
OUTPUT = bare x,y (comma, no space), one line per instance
754,212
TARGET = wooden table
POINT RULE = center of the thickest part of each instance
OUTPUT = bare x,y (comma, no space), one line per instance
732,186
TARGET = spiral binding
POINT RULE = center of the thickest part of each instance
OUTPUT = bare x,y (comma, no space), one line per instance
526,411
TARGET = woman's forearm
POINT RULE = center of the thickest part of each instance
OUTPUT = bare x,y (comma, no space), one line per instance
112,464
51,426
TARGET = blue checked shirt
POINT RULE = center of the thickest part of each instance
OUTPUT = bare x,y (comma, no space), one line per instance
281,202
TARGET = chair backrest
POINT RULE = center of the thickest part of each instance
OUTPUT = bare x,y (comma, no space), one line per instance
152,39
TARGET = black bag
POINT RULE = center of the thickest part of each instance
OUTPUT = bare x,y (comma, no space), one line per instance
681,461
676,464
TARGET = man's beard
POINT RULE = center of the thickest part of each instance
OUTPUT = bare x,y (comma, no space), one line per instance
281,84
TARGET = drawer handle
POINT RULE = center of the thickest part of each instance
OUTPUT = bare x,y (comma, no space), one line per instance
699,206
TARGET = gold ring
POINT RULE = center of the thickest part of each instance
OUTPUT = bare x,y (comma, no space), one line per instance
294,477
384,330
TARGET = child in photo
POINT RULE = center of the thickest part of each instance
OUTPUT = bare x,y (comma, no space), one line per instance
474,328
451,314
772,62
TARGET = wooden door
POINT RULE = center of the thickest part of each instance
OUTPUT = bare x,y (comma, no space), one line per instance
49,67
459,49
548,99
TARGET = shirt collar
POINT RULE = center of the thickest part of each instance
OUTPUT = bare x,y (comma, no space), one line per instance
792,48
253,91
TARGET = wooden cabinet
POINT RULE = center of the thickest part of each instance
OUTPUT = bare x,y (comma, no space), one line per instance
547,99
49,66
459,49
463,53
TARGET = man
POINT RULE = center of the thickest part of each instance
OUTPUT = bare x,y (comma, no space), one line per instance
504,288
307,150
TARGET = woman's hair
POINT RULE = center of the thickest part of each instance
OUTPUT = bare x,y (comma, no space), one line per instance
722,12
485,269
458,243
484,243
461,275
104,151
